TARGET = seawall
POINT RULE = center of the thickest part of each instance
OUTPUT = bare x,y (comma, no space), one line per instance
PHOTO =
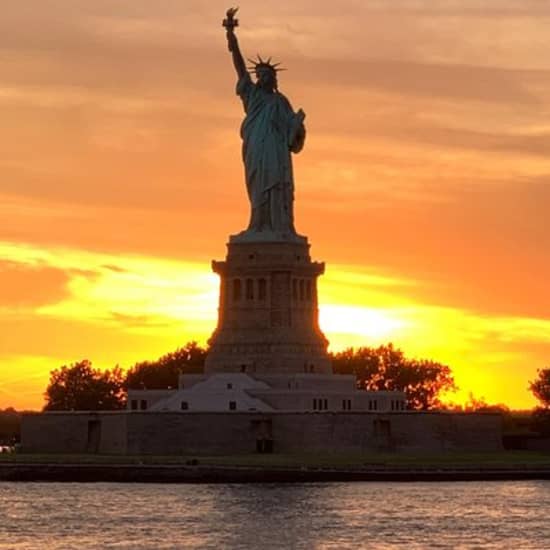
233,474
173,433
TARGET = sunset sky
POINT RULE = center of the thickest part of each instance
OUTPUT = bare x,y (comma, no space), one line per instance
424,184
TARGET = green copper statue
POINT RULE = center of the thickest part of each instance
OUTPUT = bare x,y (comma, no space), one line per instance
271,131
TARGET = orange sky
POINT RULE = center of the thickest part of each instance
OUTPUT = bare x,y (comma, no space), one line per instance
424,183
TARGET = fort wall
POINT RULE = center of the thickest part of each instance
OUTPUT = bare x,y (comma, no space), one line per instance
173,433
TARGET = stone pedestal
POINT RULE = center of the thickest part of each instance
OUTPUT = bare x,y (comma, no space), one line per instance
268,311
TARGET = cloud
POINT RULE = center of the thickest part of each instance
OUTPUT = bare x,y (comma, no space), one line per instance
139,321
24,286
432,80
115,268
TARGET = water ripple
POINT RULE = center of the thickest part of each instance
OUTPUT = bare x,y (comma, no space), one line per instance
379,516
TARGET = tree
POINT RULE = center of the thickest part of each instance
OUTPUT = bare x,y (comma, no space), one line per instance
79,387
387,368
540,387
164,372
362,362
479,404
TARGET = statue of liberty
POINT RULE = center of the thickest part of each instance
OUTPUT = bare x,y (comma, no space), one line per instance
271,131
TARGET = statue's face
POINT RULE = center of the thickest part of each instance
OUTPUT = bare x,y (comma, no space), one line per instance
267,79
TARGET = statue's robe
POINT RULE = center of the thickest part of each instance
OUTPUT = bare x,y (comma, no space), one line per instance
270,132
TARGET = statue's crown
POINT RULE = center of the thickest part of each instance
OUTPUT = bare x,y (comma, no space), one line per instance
263,64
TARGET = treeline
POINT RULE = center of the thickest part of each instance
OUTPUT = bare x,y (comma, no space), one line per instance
81,387
425,382
540,388
387,368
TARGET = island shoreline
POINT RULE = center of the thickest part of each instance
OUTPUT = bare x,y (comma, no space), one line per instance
157,473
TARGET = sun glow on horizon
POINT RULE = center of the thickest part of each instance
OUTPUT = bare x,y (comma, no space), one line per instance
368,323
122,309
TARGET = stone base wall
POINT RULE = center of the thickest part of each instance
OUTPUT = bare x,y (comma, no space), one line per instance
170,433
74,432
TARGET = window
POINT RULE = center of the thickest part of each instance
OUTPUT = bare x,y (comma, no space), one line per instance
237,290
232,405
184,406
134,404
229,386
302,290
143,405
346,404
243,368
262,289
308,290
373,405
320,404
250,289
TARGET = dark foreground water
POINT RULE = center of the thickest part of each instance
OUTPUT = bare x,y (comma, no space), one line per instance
340,515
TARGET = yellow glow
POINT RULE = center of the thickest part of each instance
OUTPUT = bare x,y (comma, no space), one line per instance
164,303
370,324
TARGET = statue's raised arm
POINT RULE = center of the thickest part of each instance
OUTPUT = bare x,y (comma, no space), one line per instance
230,23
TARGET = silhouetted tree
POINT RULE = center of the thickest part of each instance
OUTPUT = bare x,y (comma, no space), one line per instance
164,372
479,404
475,404
362,362
387,368
80,387
540,387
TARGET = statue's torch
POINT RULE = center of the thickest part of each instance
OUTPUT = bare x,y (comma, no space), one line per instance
230,22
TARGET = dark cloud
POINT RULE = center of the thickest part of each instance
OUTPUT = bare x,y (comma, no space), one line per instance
114,268
138,321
